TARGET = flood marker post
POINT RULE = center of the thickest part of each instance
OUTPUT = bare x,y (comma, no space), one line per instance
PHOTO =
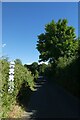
11,77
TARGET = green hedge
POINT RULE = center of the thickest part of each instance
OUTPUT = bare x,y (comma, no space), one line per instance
22,75
68,77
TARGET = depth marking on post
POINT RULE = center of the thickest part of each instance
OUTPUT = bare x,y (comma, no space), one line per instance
11,77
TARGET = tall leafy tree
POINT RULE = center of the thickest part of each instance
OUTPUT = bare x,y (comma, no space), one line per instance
57,41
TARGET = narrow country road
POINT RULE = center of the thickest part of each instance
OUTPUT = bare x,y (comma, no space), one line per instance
51,101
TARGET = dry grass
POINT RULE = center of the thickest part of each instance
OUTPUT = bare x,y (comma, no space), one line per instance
16,112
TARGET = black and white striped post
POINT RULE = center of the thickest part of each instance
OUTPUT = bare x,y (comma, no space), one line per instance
11,77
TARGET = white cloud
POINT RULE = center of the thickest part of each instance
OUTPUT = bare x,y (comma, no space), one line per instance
43,62
3,45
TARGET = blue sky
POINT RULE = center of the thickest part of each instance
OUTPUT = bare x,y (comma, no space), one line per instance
0,29
23,22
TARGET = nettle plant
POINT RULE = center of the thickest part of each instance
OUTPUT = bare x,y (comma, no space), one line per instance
21,75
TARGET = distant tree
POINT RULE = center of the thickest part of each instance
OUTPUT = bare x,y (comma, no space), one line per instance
28,67
42,68
6,58
33,68
18,61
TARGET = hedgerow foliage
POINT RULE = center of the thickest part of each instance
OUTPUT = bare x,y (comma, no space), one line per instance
59,46
22,75
34,69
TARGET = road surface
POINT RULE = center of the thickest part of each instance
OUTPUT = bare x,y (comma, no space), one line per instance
51,101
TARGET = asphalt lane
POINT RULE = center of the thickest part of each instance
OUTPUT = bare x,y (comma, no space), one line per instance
52,101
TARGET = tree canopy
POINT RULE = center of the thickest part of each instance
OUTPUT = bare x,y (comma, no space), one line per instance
58,40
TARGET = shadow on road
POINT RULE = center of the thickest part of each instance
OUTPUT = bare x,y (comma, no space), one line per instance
50,101
23,96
